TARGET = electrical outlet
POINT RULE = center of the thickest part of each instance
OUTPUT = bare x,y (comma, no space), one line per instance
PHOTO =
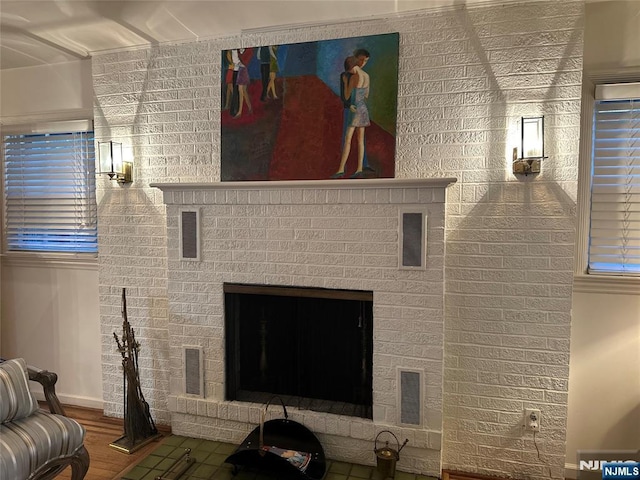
532,417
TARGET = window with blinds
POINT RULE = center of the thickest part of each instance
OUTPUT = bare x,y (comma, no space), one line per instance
614,234
49,187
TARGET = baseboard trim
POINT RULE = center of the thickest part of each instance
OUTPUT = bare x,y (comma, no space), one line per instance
458,475
74,400
570,471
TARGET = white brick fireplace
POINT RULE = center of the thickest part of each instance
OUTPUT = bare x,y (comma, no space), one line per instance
340,235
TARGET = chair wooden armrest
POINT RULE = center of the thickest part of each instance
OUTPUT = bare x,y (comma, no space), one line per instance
48,381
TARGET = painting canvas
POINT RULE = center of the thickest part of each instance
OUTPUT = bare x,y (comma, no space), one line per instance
310,111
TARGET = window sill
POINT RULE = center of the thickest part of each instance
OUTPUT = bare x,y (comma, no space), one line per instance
616,285
78,261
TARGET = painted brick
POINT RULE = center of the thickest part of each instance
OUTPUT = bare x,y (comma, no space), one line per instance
482,57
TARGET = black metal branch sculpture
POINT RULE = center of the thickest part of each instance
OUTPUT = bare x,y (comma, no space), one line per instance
139,427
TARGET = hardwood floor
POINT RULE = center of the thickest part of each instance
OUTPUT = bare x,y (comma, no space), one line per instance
106,462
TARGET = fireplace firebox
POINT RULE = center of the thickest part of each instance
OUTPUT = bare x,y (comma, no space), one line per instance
312,347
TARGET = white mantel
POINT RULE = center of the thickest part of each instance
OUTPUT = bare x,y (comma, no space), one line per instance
312,184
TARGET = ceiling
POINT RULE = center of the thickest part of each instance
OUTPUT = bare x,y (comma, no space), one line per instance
39,32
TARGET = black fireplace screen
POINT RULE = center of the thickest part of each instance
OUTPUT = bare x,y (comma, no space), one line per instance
313,347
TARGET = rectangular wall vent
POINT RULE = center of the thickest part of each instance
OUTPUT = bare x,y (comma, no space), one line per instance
190,234
413,241
193,371
410,397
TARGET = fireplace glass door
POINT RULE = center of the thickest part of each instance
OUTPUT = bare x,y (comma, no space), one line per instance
312,347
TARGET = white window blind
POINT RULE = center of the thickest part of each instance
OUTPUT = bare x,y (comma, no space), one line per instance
49,191
614,236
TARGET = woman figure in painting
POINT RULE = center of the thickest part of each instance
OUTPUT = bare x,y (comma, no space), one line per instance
241,59
264,57
356,88
273,70
345,76
228,79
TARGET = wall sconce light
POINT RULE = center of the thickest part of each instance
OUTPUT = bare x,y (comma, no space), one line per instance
112,164
527,156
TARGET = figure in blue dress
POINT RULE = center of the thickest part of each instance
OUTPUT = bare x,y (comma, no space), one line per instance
355,85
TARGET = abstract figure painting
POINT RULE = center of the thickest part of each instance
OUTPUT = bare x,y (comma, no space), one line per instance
310,111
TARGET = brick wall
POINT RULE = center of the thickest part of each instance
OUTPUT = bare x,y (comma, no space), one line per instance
339,235
465,76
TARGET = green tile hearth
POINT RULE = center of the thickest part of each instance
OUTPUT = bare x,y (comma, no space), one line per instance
209,464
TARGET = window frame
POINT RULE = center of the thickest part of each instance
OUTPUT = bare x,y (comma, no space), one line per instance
83,260
585,282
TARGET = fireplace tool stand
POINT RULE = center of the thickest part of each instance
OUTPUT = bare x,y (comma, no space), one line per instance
282,446
139,428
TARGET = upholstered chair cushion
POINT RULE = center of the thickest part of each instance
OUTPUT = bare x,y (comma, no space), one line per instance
29,443
16,399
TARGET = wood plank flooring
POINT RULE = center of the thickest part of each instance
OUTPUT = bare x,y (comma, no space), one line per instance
106,462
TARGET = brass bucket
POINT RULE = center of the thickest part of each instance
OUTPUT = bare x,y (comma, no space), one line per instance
386,457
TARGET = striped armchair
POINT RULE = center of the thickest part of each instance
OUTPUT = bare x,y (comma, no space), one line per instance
35,444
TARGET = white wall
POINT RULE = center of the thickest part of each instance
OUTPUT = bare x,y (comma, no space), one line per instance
51,91
50,310
50,318
604,389
612,29
604,382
